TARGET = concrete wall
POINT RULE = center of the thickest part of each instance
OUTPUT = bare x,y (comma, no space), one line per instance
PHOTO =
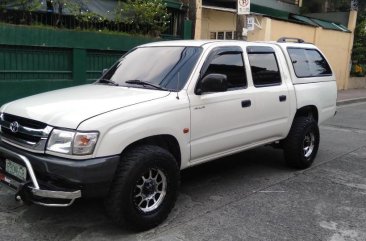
357,83
336,45
215,21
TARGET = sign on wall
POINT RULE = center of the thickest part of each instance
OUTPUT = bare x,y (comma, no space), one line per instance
243,7
354,5
250,23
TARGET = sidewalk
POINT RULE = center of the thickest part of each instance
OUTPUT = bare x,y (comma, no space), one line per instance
351,96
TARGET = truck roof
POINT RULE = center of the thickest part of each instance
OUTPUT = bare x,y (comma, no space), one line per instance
193,43
200,43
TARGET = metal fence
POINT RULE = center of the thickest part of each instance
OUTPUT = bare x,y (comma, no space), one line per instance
34,60
35,63
62,21
95,23
18,63
98,60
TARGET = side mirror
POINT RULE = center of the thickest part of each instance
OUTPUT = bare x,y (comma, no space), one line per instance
104,71
212,83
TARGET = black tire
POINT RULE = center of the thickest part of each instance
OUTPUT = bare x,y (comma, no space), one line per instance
122,204
304,133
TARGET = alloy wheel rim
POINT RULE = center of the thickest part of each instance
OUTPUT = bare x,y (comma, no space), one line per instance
150,190
309,144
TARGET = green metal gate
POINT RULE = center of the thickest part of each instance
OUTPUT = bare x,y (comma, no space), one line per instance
35,60
18,63
98,60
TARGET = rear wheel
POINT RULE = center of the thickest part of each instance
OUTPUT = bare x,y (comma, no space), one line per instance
144,189
302,143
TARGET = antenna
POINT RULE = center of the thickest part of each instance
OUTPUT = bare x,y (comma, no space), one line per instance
178,85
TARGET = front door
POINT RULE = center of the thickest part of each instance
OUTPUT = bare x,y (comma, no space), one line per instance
220,120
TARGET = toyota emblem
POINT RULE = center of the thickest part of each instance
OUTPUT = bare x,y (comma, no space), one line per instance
14,127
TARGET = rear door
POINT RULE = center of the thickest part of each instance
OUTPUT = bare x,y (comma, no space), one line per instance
271,94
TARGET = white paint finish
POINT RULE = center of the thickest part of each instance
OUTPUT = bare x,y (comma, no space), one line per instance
231,151
323,95
278,115
68,107
219,122
219,126
269,110
120,128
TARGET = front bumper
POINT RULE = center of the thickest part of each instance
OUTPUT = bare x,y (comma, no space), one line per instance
57,182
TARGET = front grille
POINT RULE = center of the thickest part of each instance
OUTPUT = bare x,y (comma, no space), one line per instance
2,163
24,121
28,133
21,136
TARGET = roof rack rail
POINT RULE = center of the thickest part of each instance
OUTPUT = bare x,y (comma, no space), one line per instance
296,40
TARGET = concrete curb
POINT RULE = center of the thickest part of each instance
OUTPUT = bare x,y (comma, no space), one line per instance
351,101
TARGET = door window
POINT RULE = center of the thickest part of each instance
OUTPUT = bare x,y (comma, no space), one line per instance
229,63
264,66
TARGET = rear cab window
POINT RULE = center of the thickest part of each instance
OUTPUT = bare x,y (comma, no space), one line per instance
308,62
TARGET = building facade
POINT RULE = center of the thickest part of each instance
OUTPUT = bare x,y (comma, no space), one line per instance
274,19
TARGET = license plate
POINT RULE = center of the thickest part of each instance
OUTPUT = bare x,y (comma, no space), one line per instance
16,170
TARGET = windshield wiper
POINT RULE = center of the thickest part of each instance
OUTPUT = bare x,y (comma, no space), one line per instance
108,81
140,82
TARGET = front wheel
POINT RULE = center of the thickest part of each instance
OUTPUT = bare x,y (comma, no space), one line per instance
302,143
144,189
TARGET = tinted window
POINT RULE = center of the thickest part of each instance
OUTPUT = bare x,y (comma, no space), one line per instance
308,63
318,65
300,62
230,64
264,68
168,67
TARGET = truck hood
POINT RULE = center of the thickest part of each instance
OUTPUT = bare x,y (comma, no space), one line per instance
69,107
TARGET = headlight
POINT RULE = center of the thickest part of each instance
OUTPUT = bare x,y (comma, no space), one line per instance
72,143
1,120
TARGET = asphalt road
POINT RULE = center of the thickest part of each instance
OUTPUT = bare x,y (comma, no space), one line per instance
250,196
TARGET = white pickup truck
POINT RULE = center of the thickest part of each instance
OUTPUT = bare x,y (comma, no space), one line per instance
161,108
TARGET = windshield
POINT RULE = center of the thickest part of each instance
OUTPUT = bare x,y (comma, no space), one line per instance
144,67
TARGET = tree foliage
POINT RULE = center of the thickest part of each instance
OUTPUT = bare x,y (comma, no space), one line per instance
146,16
318,6
58,6
24,5
362,6
359,46
27,6
75,8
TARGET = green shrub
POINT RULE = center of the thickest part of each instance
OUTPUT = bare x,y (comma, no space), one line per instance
146,16
358,70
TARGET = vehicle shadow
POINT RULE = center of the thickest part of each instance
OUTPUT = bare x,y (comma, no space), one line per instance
203,188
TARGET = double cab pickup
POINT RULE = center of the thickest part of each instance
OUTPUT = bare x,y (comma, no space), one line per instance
161,108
